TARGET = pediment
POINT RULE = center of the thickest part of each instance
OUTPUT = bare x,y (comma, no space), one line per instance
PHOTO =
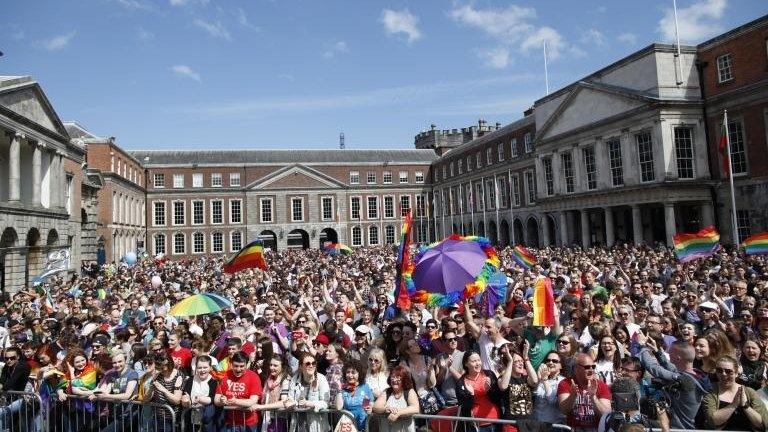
296,177
588,104
29,101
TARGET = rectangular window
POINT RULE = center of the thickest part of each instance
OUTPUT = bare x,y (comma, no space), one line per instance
566,160
530,187
403,176
297,209
645,156
500,152
371,177
373,207
266,210
419,175
491,194
159,213
216,180
515,187
420,206
373,235
178,181
197,180
470,207
469,164
217,212
478,160
217,242
503,192
234,179
198,212
451,169
724,68
405,204
528,141
179,244
513,148
738,150
387,176
461,166
489,156
235,241
590,167
479,197
389,207
235,211
198,243
614,159
684,153
445,171
160,244
743,224
389,234
354,208
549,177
354,177
327,208
159,180
178,213
357,236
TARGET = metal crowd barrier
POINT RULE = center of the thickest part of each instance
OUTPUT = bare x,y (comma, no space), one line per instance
450,423
211,418
79,414
20,411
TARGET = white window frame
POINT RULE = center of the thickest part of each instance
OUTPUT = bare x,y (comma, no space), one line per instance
489,156
232,247
158,184
293,212
615,164
736,130
500,152
530,187
368,207
384,206
724,68
590,151
178,181
513,148
460,166
419,176
386,177
642,164
569,177
356,229
469,163
528,142
197,180
370,177
213,242
216,180
195,236
692,158
231,213
213,219
549,175
514,186
402,207
184,236
165,243
154,213
370,230
183,211
354,177
202,213
359,200
323,200
387,239
271,201
234,179
403,175
478,160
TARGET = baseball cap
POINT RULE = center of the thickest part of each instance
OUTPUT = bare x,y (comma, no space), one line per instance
709,305
363,329
100,340
322,339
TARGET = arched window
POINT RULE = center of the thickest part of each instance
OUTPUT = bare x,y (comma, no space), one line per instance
179,244
198,243
373,235
357,236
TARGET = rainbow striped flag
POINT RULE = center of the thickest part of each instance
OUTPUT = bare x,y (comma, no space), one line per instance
404,266
756,244
690,246
523,257
543,302
251,256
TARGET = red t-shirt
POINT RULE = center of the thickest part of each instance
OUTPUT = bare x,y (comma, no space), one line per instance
244,387
584,413
248,348
483,406
182,356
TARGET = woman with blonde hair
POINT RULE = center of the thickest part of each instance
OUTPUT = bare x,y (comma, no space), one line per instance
378,371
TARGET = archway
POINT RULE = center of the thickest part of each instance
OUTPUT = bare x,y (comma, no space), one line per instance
518,227
533,232
328,235
269,239
298,239
481,229
493,233
53,238
504,237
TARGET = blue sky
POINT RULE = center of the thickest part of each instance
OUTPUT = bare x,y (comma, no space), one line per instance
206,74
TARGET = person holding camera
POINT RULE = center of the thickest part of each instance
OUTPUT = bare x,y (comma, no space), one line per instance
625,401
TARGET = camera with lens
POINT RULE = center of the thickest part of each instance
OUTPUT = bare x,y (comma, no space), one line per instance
650,407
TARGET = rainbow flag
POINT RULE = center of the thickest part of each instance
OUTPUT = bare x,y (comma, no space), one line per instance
690,246
756,244
404,266
543,302
251,256
85,380
523,257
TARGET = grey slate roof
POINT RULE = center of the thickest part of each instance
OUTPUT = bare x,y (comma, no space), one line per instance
240,157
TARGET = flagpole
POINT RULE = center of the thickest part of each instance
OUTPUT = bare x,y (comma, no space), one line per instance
461,207
677,37
450,209
485,208
546,73
496,202
511,205
730,180
472,206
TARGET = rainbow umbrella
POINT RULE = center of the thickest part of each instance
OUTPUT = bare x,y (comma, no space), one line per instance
338,248
200,304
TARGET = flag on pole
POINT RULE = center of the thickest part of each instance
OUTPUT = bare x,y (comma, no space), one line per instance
523,257
404,266
690,246
496,192
756,244
251,256
724,147
543,302
471,200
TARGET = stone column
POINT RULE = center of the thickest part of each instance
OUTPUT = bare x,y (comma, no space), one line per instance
637,224
563,228
707,214
54,180
585,229
36,174
14,168
610,236
545,230
669,222
61,186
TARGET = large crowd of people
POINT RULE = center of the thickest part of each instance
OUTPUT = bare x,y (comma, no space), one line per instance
639,340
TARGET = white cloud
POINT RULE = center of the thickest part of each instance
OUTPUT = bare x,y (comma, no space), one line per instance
242,18
186,2
332,50
58,42
286,77
512,28
144,34
133,4
186,72
627,38
698,21
396,22
496,58
216,29
593,36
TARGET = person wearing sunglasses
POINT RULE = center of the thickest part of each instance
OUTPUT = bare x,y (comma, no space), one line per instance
13,378
732,406
449,371
308,392
584,397
545,407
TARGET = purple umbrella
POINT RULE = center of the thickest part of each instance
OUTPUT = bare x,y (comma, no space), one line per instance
449,266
